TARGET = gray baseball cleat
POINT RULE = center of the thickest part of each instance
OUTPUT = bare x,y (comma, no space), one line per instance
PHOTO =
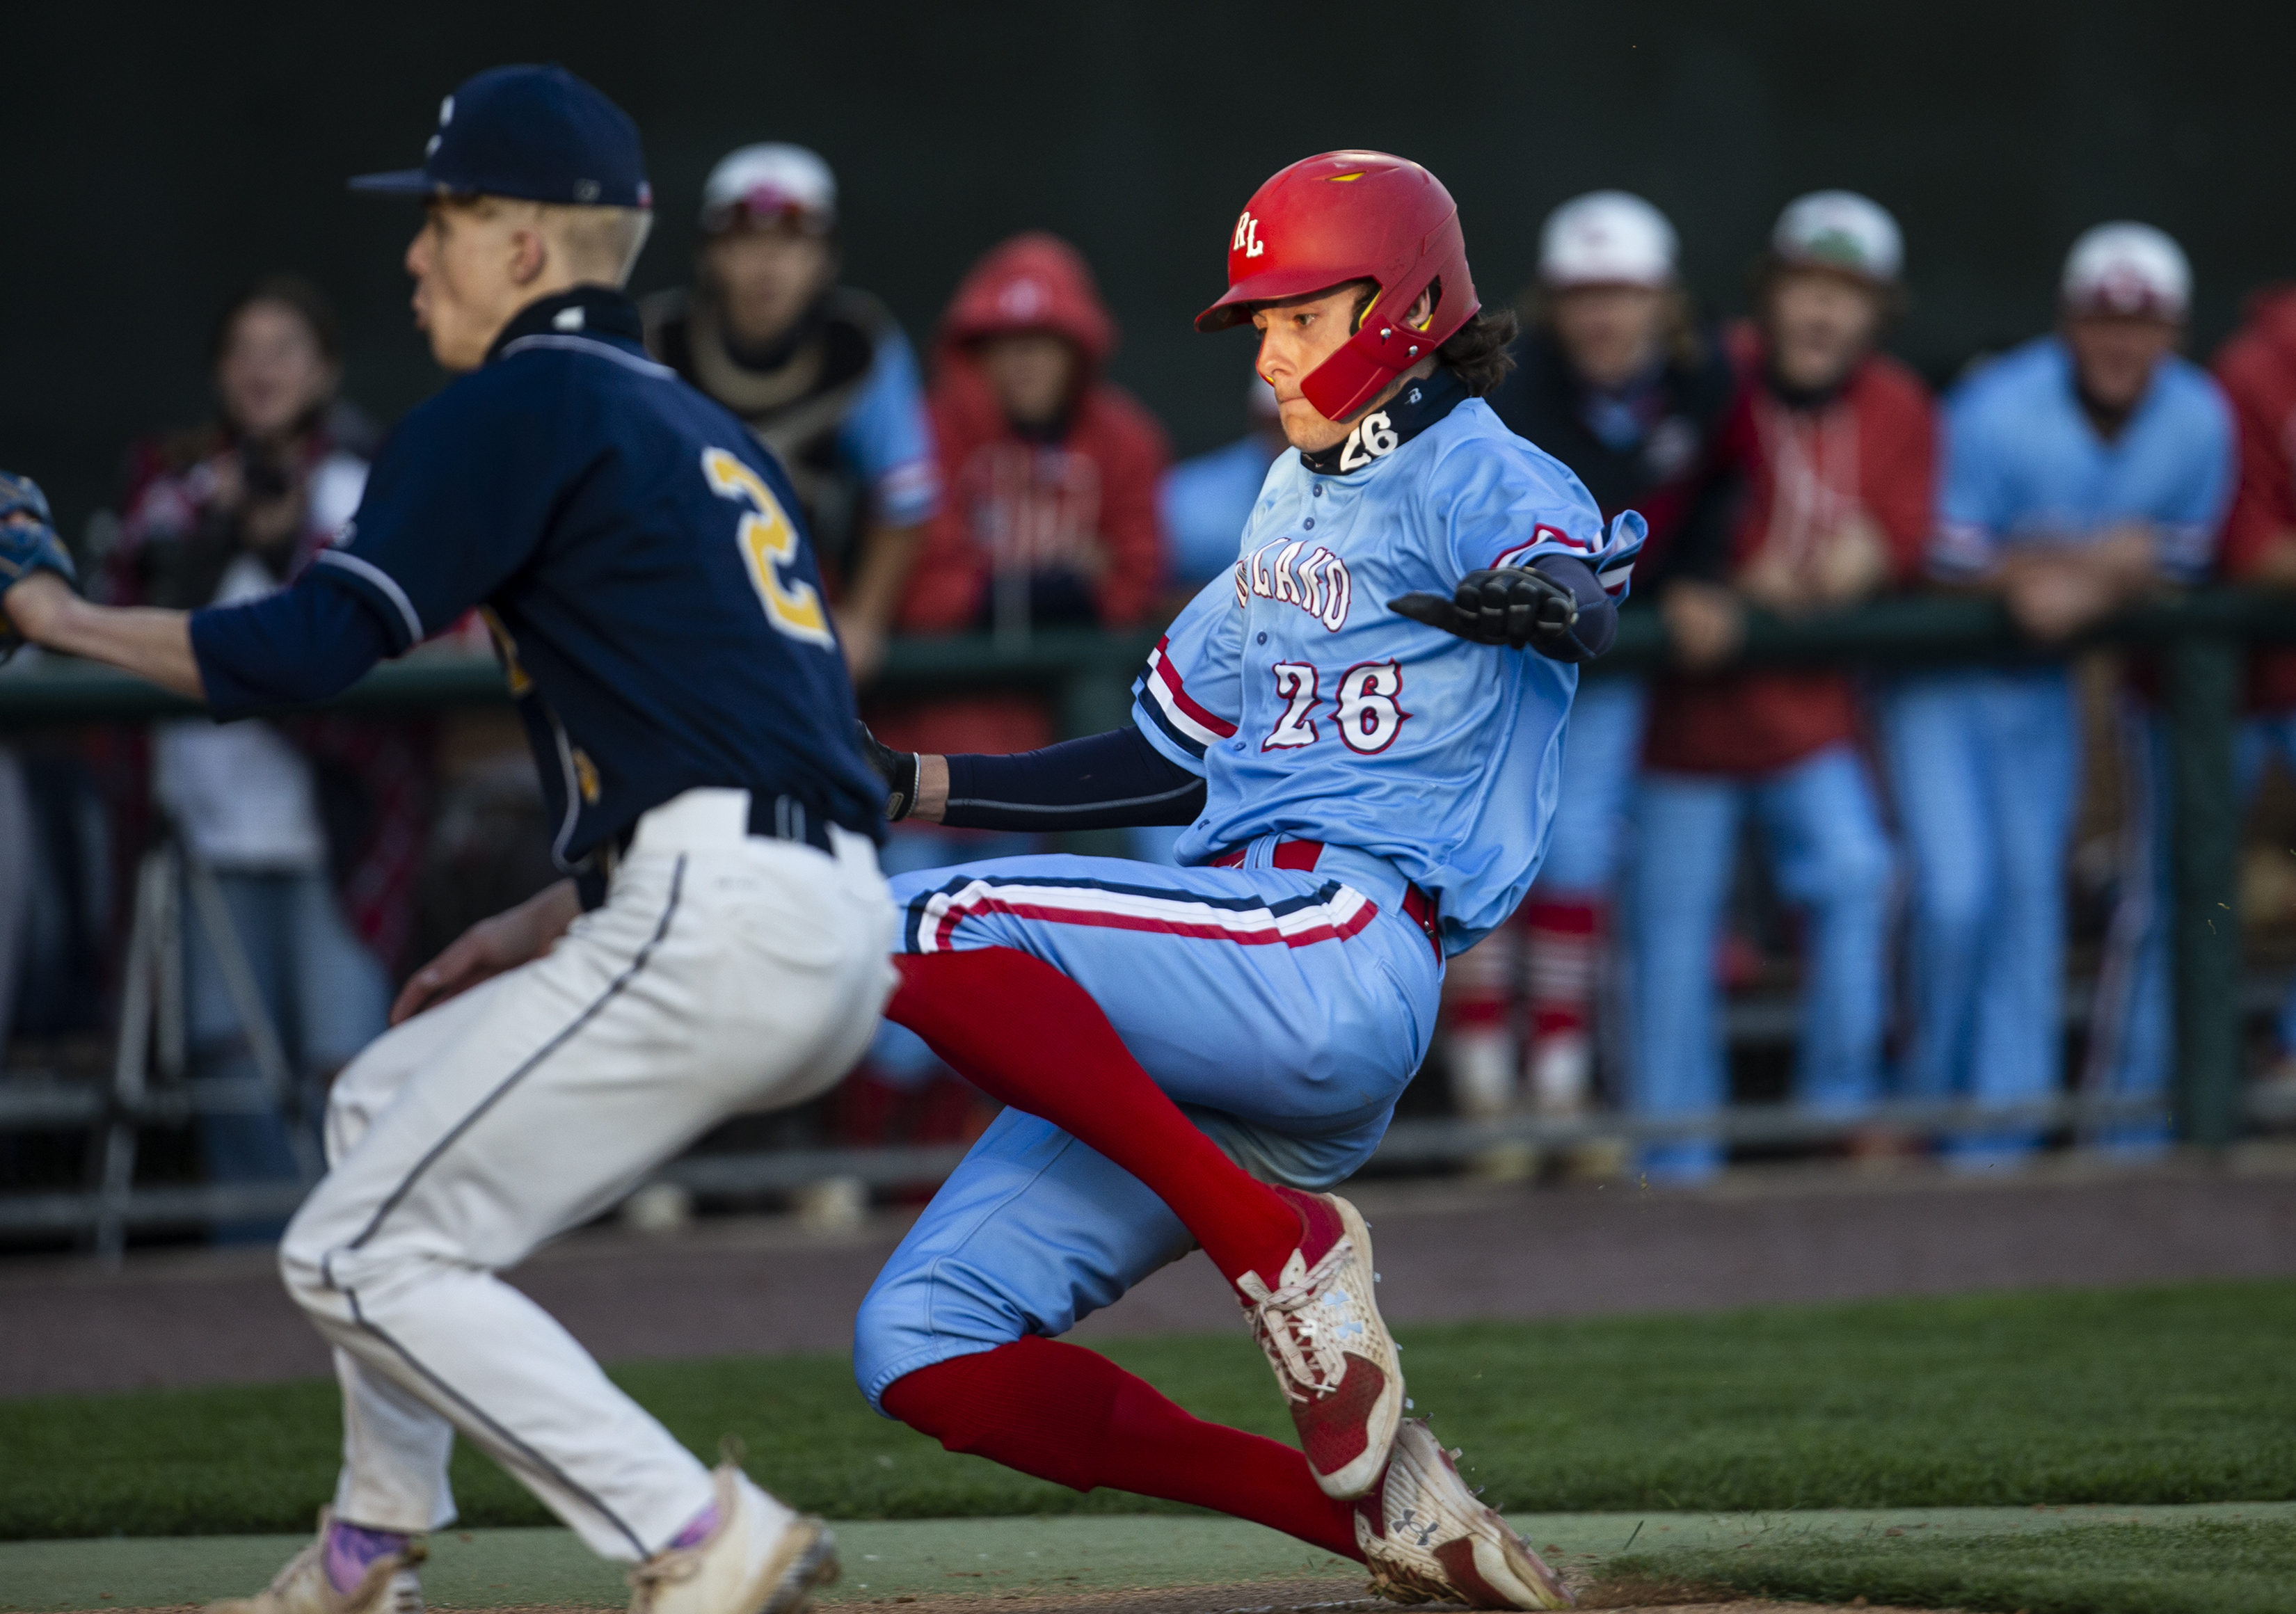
760,1559
1426,1538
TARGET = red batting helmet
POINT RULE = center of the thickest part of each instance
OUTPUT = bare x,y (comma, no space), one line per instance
1349,216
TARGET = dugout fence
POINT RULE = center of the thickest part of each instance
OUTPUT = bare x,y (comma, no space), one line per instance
2199,638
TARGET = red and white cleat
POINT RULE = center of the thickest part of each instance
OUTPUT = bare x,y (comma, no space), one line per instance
1333,1358
1427,1539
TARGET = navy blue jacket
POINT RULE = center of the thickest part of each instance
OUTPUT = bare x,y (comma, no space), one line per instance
639,556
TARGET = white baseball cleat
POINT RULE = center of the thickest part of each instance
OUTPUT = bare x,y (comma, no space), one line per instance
1426,1539
389,1586
760,1559
1333,1358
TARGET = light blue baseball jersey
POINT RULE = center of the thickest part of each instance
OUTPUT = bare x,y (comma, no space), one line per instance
1313,712
888,438
2023,465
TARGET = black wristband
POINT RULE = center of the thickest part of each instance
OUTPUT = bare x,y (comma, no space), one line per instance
898,769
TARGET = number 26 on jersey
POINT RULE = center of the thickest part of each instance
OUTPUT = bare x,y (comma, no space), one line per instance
768,541
1366,712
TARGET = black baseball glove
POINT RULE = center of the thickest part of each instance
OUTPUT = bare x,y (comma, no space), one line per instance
899,769
1512,605
28,544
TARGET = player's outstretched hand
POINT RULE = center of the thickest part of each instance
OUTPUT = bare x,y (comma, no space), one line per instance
519,936
28,545
899,769
1511,605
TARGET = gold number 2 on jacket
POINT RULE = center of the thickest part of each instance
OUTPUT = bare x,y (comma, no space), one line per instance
768,540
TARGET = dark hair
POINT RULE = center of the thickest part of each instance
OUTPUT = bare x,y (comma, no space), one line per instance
1477,352
290,291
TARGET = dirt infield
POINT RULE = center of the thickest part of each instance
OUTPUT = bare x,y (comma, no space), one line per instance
1448,1251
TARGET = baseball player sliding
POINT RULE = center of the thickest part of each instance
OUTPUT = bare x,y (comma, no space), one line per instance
1200,1050
720,940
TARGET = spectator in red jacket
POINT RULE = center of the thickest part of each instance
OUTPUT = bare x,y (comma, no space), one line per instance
1050,471
2258,371
1834,442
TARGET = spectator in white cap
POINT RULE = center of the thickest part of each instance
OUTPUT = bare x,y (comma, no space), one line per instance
2082,470
820,372
1834,447
1613,380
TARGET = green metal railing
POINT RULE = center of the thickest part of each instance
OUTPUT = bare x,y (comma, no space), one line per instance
2200,639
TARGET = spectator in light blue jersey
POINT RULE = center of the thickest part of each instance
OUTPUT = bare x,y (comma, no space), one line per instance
2082,470
819,373
1206,500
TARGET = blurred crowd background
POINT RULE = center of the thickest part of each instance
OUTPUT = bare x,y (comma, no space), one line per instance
1847,303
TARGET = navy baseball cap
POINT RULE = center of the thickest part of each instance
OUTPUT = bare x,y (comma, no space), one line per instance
537,133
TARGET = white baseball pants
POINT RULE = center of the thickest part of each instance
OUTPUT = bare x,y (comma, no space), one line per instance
725,972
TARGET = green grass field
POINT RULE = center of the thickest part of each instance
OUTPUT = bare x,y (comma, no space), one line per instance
2175,1395
2200,1567
2118,1560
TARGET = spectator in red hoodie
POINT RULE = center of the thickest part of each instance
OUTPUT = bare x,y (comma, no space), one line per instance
1049,470
1835,443
2258,371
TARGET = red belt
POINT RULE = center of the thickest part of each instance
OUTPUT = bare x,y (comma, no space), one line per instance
1303,855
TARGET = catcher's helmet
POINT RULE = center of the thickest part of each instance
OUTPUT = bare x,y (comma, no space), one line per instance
1347,216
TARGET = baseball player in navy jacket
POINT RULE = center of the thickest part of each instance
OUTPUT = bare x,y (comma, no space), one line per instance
720,940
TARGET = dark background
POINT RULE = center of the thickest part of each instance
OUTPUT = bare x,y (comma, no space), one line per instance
155,159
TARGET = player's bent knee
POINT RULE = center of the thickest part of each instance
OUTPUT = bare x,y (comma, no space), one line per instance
303,1267
993,1405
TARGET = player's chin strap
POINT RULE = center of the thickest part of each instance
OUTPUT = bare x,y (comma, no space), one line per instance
1311,1357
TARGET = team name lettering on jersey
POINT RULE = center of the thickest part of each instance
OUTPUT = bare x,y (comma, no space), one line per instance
1319,584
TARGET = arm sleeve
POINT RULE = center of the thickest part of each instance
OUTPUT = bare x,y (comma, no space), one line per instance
1111,781
889,439
1598,613
1503,511
457,502
305,644
1189,696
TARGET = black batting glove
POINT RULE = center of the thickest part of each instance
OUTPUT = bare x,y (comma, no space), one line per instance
899,769
1511,605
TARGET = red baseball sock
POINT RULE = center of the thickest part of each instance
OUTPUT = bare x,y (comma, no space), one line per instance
1027,1035
1062,1413
1566,943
